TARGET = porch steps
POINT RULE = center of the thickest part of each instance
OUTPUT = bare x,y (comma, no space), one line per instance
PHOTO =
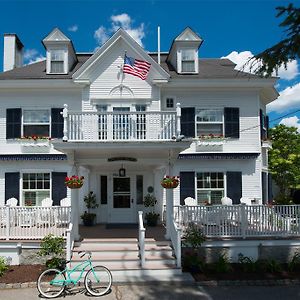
121,256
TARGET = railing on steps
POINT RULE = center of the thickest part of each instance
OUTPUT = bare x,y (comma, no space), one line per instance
142,233
69,242
242,220
175,235
23,222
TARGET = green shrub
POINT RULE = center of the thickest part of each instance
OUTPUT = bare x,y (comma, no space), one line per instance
294,264
53,246
248,264
193,236
268,265
3,266
223,264
193,262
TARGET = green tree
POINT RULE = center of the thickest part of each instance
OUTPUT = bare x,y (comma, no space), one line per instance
284,51
284,160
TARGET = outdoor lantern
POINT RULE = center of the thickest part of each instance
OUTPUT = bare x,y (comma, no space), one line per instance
122,172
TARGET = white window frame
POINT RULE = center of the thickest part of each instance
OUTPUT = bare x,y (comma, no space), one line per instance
22,198
210,122
63,61
38,123
194,60
210,189
165,102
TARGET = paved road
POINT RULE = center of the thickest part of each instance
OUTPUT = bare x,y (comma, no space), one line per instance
163,291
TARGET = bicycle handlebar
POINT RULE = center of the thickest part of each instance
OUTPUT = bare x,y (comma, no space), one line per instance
84,253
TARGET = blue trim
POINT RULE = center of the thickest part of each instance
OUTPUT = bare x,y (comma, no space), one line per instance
7,157
218,156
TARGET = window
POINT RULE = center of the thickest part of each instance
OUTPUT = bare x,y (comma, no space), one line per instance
57,61
36,187
102,122
209,121
188,60
210,187
169,102
36,122
140,122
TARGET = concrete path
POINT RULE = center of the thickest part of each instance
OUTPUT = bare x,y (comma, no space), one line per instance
173,292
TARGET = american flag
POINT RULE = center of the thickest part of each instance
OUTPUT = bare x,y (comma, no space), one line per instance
136,67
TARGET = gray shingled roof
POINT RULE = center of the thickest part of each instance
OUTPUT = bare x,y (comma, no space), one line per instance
208,68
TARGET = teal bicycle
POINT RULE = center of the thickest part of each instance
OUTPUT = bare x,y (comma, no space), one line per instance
97,281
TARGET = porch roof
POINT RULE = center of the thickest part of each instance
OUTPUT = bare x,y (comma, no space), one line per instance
7,157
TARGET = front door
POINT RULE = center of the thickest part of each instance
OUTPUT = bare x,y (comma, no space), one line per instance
121,201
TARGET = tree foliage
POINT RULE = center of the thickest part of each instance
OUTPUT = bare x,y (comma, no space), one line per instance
284,160
268,61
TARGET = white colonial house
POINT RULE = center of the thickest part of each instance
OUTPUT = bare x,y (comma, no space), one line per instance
192,117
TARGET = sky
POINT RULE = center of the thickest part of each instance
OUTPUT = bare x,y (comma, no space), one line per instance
236,29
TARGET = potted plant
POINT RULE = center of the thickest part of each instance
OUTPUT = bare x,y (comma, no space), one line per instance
74,182
170,182
90,203
151,217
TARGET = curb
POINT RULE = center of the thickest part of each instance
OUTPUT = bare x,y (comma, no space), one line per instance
277,282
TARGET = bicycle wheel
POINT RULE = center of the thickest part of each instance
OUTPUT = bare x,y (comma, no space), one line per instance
51,283
98,281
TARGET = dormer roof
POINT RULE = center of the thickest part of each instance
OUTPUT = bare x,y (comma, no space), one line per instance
188,35
56,35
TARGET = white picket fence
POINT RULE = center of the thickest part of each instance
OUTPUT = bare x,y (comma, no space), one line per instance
33,222
242,220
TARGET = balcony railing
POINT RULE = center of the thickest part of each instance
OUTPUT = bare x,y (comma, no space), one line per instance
121,126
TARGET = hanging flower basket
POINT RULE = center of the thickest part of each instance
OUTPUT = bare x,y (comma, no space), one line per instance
170,182
74,182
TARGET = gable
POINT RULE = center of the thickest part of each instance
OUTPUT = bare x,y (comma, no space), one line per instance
188,35
55,35
107,81
132,48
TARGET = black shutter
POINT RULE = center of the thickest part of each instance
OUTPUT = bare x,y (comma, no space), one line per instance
12,186
187,186
264,187
188,121
232,122
234,186
262,123
59,190
267,126
270,188
57,123
103,193
13,123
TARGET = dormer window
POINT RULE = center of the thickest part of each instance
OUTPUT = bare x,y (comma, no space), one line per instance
188,61
57,61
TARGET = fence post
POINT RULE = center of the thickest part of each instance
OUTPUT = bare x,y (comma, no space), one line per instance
7,221
243,215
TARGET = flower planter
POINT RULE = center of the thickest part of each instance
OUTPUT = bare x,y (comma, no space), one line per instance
74,185
169,185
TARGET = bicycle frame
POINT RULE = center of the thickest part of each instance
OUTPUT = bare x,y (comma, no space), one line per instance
82,267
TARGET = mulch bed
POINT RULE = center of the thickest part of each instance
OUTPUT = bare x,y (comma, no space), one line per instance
237,273
21,274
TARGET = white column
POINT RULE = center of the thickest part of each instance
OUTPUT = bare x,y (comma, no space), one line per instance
64,113
75,207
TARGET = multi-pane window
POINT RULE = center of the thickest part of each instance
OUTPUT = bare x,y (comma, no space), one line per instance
209,121
188,60
210,187
36,187
102,122
169,102
140,122
36,122
57,61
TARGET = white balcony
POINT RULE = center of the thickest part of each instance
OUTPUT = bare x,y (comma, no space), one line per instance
121,126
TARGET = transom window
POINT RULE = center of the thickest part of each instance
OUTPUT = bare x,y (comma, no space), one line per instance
57,61
36,187
188,60
210,187
36,122
209,121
